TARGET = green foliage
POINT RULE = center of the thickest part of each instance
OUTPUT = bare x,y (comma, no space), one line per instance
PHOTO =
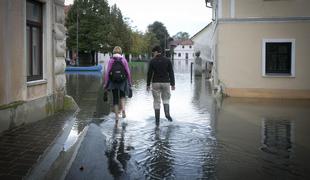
160,32
93,25
120,34
181,36
101,27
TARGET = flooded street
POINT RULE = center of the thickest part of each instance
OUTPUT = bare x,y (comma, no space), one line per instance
208,139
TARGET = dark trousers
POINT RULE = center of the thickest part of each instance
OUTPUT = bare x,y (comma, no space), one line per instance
117,94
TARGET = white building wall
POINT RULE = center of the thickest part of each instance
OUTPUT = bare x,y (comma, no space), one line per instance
182,50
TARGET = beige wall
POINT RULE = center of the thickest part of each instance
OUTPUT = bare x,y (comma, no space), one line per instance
13,78
264,9
12,71
279,8
240,55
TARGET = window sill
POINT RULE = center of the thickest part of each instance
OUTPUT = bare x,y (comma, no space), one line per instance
37,82
276,75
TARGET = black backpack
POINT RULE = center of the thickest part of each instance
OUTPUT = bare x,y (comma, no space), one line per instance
117,72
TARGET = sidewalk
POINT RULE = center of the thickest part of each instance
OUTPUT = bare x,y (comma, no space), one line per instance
23,147
91,161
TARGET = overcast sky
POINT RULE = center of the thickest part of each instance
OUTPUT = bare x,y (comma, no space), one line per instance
177,15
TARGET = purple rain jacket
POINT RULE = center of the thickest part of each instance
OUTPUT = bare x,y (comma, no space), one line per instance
110,63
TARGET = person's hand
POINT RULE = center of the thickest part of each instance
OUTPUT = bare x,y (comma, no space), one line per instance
172,88
148,88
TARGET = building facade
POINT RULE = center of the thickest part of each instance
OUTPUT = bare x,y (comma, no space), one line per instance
184,50
32,51
202,41
260,47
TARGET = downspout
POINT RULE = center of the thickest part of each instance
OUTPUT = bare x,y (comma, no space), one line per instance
53,51
216,85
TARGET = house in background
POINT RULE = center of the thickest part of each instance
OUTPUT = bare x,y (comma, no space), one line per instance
203,44
32,60
184,50
260,48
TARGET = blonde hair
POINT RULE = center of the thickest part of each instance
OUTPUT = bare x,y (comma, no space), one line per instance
117,50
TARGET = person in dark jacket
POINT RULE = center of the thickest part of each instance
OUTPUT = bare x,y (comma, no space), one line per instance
161,75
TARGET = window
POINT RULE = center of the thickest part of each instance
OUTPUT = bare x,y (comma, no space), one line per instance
179,54
34,40
190,47
183,47
278,58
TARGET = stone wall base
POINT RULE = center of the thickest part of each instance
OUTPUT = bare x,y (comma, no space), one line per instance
16,114
267,93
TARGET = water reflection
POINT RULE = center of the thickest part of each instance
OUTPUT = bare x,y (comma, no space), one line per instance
159,159
86,90
265,137
117,153
277,137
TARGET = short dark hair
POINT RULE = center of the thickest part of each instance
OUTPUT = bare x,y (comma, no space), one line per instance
156,48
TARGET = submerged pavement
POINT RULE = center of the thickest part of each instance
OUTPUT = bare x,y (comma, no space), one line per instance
235,138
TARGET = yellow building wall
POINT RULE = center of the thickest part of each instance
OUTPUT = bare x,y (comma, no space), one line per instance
278,8
239,56
266,9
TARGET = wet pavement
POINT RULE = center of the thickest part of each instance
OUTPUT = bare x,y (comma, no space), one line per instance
233,138
23,147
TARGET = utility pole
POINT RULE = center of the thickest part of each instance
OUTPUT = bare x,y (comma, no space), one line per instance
77,34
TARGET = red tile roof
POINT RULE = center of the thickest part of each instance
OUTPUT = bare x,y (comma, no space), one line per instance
183,42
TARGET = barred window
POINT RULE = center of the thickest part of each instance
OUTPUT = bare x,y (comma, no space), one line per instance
278,58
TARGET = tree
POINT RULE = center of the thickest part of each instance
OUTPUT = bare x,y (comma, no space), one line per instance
181,36
93,24
120,32
91,19
160,32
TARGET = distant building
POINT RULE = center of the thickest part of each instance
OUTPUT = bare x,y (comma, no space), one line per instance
203,43
184,50
260,48
32,63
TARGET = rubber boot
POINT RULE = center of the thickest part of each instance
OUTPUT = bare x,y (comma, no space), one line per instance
167,113
157,115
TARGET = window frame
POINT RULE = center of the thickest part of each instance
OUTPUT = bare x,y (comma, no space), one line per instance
265,41
39,26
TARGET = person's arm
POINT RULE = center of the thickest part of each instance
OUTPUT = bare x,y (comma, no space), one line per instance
127,70
149,75
106,75
171,75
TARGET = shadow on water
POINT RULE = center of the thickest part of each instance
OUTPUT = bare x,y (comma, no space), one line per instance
232,139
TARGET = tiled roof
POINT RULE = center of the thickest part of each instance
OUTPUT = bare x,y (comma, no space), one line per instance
182,42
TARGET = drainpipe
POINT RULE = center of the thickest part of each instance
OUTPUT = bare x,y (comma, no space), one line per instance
216,85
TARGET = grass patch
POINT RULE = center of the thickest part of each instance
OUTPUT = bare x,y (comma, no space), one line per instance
136,63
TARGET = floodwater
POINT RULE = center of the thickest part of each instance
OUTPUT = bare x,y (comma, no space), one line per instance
233,138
